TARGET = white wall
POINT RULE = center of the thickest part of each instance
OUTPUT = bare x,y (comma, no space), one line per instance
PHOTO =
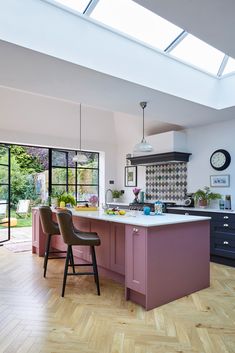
202,142
31,119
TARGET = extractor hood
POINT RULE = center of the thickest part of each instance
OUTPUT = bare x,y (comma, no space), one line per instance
158,158
168,147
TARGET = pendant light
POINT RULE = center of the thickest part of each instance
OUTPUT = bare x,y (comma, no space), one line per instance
80,157
143,146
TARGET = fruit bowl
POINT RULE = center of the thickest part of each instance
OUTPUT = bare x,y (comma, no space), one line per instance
115,212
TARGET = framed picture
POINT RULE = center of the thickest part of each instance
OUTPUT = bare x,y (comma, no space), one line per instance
131,176
220,180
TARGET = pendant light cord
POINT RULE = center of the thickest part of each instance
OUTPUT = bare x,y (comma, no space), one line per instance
80,110
143,106
143,124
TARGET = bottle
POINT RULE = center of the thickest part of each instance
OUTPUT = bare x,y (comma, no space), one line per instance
227,204
158,208
142,196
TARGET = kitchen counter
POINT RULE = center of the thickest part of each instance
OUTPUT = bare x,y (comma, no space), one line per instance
137,218
157,258
201,209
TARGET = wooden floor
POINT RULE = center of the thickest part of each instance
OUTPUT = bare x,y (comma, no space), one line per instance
34,318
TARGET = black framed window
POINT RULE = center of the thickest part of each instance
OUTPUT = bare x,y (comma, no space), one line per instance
79,179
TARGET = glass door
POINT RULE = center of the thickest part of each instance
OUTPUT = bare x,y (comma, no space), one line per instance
4,193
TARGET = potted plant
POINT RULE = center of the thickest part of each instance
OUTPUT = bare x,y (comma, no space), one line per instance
203,197
116,194
66,199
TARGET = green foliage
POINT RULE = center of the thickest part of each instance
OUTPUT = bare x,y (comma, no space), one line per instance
67,198
27,163
116,194
205,195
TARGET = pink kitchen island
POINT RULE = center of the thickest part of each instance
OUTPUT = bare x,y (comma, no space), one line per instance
157,258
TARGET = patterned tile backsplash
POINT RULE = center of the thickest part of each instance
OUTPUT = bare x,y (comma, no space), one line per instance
166,181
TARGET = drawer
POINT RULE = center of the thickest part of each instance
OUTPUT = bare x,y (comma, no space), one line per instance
223,245
223,217
223,226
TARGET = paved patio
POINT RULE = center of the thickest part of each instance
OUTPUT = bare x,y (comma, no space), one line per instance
18,235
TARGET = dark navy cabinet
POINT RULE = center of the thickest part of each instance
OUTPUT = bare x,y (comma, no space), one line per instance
222,240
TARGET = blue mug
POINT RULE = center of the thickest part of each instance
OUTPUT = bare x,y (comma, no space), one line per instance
147,210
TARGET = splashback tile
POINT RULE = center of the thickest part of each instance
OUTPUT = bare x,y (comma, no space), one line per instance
166,181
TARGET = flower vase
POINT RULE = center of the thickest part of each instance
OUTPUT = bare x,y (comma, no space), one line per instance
136,200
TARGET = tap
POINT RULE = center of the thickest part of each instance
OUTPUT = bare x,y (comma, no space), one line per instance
106,195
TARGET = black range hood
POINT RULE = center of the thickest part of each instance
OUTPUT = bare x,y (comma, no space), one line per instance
152,159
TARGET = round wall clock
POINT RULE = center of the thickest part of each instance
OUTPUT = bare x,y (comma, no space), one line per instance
220,159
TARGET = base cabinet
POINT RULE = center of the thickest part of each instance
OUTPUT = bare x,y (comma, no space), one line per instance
136,258
222,234
102,228
117,248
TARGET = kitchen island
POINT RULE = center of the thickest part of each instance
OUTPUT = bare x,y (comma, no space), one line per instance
157,258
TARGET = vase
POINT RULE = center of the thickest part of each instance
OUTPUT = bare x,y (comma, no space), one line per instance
115,200
136,199
202,203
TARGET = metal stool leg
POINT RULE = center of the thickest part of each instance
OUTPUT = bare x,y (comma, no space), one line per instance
66,269
96,275
72,259
46,254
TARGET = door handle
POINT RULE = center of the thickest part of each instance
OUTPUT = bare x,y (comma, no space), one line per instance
225,242
226,217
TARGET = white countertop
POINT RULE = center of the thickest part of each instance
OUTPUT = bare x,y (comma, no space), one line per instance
201,209
137,218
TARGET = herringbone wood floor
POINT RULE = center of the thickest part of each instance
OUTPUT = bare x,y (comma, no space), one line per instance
34,318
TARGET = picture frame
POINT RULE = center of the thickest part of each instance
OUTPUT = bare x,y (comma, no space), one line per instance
221,181
130,176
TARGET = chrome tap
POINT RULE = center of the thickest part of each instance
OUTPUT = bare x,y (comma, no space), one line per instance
106,194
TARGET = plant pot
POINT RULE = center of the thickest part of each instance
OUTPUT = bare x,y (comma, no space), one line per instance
115,199
202,203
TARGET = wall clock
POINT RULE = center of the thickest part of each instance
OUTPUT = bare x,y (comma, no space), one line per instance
220,159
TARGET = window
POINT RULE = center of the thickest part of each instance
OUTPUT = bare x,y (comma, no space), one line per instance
196,52
77,5
81,180
129,17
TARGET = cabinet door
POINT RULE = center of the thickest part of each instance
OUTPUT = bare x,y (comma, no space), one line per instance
102,228
38,237
117,248
135,258
223,244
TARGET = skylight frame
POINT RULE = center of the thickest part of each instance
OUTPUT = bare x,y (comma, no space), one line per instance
90,7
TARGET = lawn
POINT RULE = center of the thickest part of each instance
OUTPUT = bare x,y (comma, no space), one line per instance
21,221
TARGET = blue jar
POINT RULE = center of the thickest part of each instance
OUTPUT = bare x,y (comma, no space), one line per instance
147,210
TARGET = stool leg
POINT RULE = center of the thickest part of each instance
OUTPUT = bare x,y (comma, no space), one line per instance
46,254
66,269
72,259
96,275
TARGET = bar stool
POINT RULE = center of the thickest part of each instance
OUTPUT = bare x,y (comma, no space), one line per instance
49,228
72,237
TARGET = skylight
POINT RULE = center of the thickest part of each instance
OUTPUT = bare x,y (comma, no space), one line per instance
77,5
230,66
198,53
132,19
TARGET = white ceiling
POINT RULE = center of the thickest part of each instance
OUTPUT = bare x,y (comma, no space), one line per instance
35,72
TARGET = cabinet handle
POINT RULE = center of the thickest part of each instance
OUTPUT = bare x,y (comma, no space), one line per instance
226,217
225,224
225,242
135,230
186,214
